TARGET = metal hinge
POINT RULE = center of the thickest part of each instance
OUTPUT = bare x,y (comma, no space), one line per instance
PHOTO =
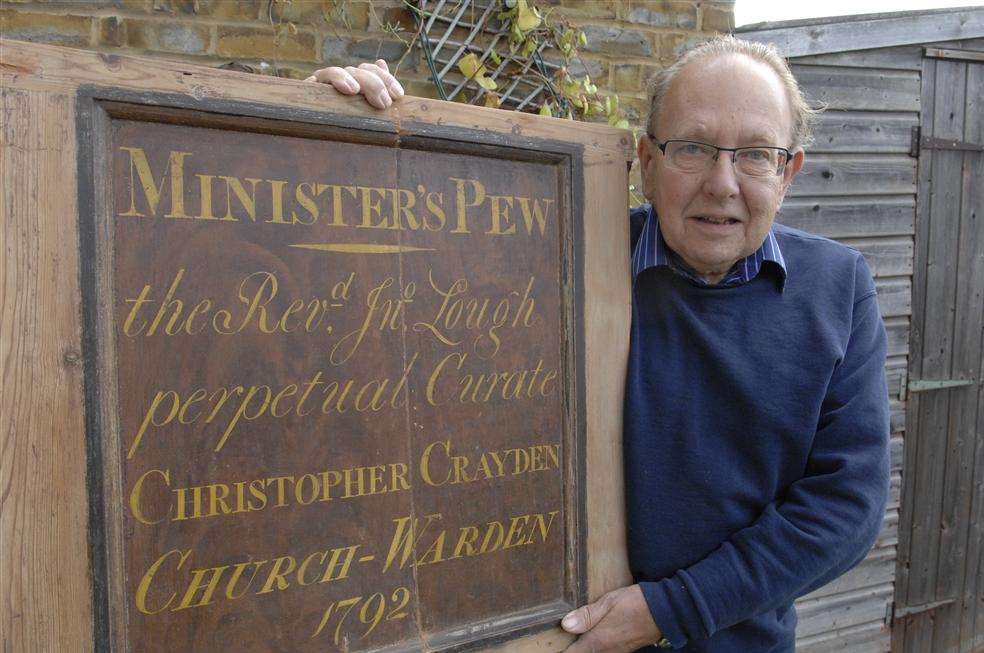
910,610
918,142
926,385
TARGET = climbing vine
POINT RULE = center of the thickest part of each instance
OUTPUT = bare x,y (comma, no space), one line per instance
531,31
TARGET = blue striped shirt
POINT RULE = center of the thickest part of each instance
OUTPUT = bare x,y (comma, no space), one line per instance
651,251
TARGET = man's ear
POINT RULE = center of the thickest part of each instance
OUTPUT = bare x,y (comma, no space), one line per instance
646,150
793,166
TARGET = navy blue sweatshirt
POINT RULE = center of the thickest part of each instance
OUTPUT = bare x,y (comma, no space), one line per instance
756,442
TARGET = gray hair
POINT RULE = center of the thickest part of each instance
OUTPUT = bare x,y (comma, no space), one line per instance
803,115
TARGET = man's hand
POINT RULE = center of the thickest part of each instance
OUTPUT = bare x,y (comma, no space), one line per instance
373,80
618,622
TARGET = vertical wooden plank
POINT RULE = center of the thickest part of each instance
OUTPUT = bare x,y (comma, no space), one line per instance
937,333
973,218
902,631
961,440
607,315
44,577
919,633
972,608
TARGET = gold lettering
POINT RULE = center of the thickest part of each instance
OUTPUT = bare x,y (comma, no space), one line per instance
535,212
278,574
137,491
425,461
153,189
246,199
462,203
215,575
144,586
500,205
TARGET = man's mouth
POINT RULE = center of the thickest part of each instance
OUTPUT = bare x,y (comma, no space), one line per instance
713,220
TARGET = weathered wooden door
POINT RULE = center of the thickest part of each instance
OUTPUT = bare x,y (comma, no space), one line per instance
939,601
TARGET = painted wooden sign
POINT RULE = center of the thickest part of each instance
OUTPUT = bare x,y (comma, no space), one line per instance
335,372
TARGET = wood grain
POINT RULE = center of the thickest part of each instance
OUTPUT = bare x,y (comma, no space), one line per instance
859,88
871,132
851,215
956,569
47,607
44,567
887,30
855,174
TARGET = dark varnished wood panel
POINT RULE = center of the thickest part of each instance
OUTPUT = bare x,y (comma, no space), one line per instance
426,316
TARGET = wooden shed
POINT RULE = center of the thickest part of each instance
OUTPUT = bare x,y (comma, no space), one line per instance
897,171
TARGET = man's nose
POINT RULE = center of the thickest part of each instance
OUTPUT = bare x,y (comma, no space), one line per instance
721,180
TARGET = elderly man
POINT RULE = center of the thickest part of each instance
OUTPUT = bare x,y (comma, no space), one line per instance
756,409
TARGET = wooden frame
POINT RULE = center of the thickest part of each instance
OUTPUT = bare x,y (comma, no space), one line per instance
97,87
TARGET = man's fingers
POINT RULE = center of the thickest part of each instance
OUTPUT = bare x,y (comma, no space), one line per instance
583,644
373,80
373,87
339,78
587,616
392,85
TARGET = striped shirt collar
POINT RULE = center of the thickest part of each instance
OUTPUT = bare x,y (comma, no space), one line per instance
651,251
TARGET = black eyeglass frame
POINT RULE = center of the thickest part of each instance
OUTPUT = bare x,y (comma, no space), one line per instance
779,171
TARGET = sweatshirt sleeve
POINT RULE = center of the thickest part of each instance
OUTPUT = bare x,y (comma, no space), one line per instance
825,523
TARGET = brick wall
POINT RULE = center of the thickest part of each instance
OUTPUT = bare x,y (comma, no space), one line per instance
627,39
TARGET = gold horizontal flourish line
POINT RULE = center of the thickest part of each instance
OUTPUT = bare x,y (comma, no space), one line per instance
361,248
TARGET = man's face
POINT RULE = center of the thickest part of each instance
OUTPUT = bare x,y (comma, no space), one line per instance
715,218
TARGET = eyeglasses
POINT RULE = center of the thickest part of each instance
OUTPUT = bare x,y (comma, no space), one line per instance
694,156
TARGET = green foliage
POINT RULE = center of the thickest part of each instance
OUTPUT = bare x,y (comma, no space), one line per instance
531,31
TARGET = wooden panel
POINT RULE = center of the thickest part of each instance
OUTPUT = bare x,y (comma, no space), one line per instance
963,437
894,490
937,333
895,447
903,57
897,419
894,295
843,610
900,634
888,256
876,569
47,608
897,376
44,566
869,132
871,637
844,217
359,345
859,88
962,44
889,535
846,34
832,174
972,617
897,330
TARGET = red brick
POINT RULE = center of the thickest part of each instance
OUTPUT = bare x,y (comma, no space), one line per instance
718,17
310,13
167,36
348,16
254,43
626,77
672,14
112,31
582,8
246,10
73,31
617,41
